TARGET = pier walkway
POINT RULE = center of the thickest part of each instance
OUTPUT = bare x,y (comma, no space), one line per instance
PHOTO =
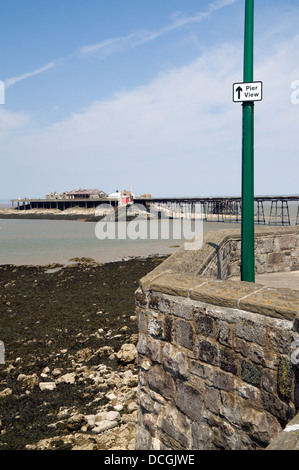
269,210
283,280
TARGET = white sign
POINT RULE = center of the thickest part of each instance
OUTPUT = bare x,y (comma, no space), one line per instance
247,92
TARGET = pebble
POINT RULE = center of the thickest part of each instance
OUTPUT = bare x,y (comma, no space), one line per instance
47,386
104,426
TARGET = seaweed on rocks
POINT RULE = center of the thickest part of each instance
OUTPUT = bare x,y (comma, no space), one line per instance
62,329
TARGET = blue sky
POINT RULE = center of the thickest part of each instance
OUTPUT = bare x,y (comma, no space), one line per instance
135,94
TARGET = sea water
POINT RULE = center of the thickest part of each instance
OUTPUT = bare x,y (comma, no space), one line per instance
29,241
39,242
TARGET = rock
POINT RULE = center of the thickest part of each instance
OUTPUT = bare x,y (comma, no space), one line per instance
90,446
47,386
90,420
127,353
67,378
76,422
111,396
104,426
131,381
113,416
132,407
83,355
56,372
29,381
118,407
6,393
100,417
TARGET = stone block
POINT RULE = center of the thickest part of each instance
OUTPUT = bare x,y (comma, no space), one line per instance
276,303
176,425
142,344
285,378
169,329
228,361
212,399
140,298
287,242
261,426
161,382
204,324
232,407
269,381
224,333
174,284
277,408
223,293
190,401
175,361
242,347
154,302
246,391
265,245
223,381
201,437
251,374
257,354
142,321
275,258
183,308
185,334
146,402
208,352
250,330
154,350
143,439
155,328
203,371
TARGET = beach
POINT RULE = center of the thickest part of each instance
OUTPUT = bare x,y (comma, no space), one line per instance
66,382
67,320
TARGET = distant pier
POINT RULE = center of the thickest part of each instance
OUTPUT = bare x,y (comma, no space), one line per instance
269,210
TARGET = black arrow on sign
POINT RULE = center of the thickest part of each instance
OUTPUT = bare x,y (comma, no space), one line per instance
239,90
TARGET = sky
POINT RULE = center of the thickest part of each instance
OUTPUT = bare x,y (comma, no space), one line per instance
137,95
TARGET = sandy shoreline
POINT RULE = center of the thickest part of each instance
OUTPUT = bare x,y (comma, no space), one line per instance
84,215
65,327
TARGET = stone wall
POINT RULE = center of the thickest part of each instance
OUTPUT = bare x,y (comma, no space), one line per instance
215,368
276,250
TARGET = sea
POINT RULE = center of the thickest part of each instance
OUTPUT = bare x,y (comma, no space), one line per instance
42,242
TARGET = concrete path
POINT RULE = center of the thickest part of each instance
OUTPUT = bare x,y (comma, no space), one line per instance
289,280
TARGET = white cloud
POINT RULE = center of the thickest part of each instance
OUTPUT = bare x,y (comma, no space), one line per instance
13,80
113,45
11,122
181,120
117,44
179,135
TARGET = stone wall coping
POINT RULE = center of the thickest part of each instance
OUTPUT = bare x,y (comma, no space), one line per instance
180,275
246,296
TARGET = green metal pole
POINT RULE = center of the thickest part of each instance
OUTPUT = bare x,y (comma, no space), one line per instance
247,231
